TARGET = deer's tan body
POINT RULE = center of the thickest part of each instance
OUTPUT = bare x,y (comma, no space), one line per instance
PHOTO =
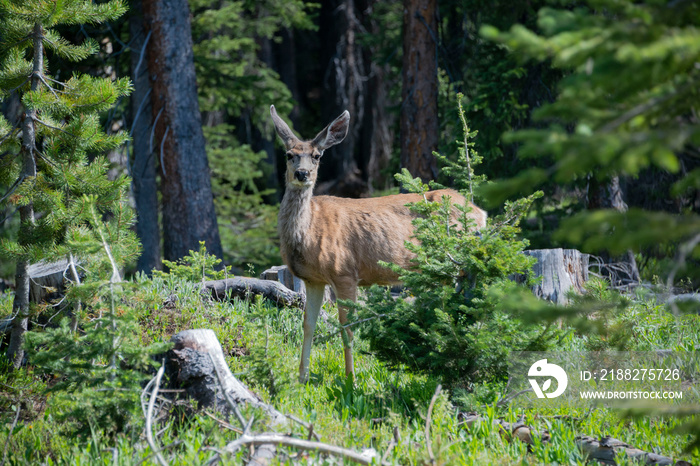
334,241
330,238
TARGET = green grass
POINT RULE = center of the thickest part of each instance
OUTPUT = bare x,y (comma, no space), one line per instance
262,344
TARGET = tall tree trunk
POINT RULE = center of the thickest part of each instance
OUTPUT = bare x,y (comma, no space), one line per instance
267,144
376,136
20,305
342,90
419,115
143,170
188,204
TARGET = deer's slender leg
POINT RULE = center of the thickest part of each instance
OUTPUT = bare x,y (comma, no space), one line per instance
314,300
346,289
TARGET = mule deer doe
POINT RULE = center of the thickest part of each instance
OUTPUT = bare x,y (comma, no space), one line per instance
337,241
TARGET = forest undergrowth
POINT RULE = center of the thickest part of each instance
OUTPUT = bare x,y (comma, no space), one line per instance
261,344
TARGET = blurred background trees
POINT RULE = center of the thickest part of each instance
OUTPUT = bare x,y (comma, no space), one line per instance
398,67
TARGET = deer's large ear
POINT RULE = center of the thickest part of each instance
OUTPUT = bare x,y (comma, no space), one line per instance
333,133
286,134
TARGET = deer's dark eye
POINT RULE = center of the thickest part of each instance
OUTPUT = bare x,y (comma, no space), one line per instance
290,156
316,156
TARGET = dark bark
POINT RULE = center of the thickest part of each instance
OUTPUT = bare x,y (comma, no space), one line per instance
20,305
419,115
267,144
143,169
187,201
376,136
197,365
343,89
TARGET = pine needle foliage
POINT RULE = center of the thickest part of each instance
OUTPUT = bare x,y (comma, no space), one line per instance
629,103
66,124
101,367
448,322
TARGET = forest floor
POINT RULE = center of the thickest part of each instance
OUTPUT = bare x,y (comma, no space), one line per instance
262,345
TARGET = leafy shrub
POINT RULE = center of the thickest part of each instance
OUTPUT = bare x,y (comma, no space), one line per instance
448,321
196,266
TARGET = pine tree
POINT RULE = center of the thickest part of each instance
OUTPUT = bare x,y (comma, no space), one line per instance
451,322
52,155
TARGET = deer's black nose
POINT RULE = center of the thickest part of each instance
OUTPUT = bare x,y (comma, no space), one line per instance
301,175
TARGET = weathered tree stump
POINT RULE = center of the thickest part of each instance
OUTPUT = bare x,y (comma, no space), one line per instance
47,280
245,288
197,365
561,270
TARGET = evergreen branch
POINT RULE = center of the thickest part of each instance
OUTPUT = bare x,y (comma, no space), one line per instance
41,77
57,82
8,216
23,83
640,109
13,187
54,127
465,130
11,132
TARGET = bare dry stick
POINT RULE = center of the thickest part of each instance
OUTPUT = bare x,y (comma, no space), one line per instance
223,423
308,426
427,423
149,417
9,436
394,441
277,439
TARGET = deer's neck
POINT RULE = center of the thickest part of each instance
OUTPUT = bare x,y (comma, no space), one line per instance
294,219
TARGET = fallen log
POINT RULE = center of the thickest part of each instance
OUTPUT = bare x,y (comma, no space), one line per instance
282,274
607,450
246,288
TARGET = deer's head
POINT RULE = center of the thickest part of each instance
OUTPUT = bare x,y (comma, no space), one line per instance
303,157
